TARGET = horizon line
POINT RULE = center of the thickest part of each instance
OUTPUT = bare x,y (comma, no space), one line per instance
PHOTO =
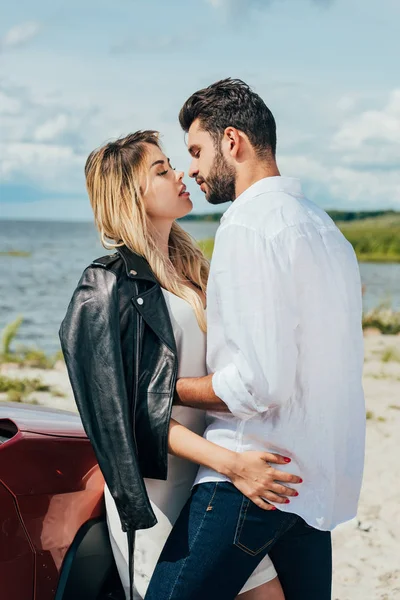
51,220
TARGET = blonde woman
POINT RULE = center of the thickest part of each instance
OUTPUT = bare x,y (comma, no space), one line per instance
135,324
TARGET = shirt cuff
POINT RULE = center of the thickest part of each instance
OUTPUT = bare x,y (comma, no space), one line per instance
229,387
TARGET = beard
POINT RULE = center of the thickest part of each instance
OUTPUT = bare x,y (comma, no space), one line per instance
221,181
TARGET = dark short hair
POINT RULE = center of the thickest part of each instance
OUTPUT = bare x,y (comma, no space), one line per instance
232,103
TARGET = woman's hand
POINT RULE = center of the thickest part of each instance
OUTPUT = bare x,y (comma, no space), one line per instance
251,473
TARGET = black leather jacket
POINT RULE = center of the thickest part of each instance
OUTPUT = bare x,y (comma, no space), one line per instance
120,352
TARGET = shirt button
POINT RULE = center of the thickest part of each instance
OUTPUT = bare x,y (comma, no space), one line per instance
132,272
140,301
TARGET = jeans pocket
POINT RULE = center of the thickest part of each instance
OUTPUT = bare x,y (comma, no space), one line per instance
257,529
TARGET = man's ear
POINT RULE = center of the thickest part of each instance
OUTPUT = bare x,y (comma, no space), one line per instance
232,141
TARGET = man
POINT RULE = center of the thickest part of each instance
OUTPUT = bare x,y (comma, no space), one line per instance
285,356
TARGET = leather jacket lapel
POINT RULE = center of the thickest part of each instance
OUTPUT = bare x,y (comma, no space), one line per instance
153,308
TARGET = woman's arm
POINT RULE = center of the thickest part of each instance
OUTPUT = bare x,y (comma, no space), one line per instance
91,342
248,471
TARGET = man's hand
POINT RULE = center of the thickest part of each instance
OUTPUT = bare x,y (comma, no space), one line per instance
197,392
251,474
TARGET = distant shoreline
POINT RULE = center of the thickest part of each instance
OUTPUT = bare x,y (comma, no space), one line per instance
374,235
342,216
336,215
378,259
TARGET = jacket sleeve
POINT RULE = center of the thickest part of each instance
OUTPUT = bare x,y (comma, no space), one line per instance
90,340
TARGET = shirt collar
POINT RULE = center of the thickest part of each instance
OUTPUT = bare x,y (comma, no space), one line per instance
290,185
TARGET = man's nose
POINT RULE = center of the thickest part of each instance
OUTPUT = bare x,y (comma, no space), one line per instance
193,169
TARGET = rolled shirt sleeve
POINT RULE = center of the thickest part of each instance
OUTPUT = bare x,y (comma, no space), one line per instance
255,293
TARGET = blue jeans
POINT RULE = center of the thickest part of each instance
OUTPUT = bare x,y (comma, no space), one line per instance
221,536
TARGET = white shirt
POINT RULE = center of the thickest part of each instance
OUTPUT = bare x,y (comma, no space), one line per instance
285,345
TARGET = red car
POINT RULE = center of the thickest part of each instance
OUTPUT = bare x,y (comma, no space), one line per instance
54,542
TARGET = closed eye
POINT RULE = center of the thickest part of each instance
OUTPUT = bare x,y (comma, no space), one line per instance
194,151
163,173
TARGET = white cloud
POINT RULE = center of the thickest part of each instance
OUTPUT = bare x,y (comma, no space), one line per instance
376,126
346,103
362,165
55,167
236,6
153,45
348,187
43,142
9,105
371,139
342,155
52,128
20,34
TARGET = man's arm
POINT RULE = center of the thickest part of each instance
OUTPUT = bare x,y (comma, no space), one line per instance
198,392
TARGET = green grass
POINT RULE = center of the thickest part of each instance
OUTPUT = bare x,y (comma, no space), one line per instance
24,356
32,357
390,355
384,319
370,416
22,385
207,247
9,334
16,253
375,239
19,390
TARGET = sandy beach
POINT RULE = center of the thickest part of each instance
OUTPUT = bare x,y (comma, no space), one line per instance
367,549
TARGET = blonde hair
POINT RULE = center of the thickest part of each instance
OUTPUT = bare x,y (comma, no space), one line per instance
113,173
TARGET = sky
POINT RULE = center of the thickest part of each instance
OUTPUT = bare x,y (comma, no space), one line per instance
75,74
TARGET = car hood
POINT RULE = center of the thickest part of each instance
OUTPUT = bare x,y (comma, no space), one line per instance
40,419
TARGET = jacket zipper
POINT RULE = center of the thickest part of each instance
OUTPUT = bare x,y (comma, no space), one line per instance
138,336
171,404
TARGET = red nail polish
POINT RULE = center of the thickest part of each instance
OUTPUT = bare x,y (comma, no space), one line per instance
287,460
300,480
296,494
287,501
273,508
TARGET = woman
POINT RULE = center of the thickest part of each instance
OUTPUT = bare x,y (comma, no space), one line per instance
136,322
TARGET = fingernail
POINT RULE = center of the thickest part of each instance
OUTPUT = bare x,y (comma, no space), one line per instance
287,460
296,494
273,508
300,480
287,500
